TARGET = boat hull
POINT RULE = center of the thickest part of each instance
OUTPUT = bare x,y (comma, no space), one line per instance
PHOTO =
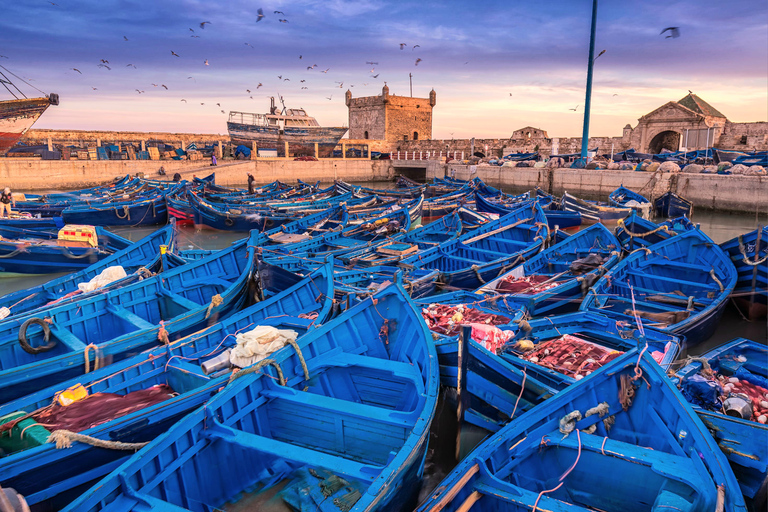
272,137
18,116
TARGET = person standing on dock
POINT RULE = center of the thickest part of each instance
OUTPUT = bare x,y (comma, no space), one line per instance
6,200
251,186
213,159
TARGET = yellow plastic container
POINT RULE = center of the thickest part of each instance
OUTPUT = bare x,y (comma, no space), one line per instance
79,233
72,395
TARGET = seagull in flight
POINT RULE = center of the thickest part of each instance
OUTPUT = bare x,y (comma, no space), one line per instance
75,69
202,25
327,70
260,15
248,91
329,97
182,99
373,63
415,46
125,38
283,20
138,91
403,45
260,84
164,86
673,32
95,89
249,44
305,87
574,109
105,66
174,53
104,61
131,66
417,62
198,37
206,62
376,75
279,12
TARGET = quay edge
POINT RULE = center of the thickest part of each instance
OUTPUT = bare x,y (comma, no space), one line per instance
727,193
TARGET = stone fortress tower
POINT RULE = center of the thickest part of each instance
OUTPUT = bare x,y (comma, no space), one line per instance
390,118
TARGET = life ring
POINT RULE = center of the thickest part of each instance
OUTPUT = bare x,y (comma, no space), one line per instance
229,222
29,349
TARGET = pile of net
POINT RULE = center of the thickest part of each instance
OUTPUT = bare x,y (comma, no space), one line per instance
100,408
571,355
447,319
527,284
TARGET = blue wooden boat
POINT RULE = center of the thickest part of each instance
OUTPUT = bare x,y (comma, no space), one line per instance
488,251
635,232
556,217
560,350
173,380
144,253
30,251
140,212
680,286
74,338
749,254
671,205
371,371
627,198
739,434
30,222
593,211
622,439
555,280
404,244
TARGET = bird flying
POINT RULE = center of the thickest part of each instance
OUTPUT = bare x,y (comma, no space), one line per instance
279,12
218,104
138,91
329,97
95,89
417,62
174,53
206,62
104,61
164,86
300,56
415,46
281,20
202,25
248,91
574,109
131,66
260,84
105,66
376,75
403,45
327,70
182,99
599,54
260,15
373,63
125,38
249,44
673,32
75,69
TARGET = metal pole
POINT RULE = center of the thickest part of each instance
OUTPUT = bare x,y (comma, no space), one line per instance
410,80
588,100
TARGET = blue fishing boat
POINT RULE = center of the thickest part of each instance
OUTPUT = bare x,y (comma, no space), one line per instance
370,371
671,205
555,280
556,217
30,222
622,439
73,248
593,211
728,388
679,285
749,254
145,211
71,339
635,232
560,350
139,398
627,198
144,253
488,251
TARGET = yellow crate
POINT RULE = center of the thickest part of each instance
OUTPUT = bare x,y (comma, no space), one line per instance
79,233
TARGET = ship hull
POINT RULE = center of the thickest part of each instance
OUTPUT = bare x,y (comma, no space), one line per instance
264,137
16,117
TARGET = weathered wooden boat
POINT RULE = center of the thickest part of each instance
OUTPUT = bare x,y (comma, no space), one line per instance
727,387
140,397
560,350
140,212
635,232
144,253
64,343
487,252
273,130
622,439
371,370
749,254
626,198
403,244
19,114
671,205
556,279
593,211
30,251
679,285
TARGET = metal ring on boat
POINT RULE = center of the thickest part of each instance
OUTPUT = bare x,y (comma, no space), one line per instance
229,222
29,349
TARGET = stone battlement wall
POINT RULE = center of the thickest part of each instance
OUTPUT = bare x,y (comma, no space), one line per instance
41,136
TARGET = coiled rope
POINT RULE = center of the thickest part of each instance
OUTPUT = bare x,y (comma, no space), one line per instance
255,369
126,212
301,359
664,228
714,277
744,256
96,360
216,300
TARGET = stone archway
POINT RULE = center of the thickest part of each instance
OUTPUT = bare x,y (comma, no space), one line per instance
669,140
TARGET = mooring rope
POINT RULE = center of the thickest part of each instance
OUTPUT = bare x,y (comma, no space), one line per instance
64,439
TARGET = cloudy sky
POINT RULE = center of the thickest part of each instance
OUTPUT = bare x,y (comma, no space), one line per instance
496,65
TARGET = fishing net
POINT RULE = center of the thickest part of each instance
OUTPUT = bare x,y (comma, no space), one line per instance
571,355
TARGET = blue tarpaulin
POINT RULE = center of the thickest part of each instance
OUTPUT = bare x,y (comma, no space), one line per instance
243,150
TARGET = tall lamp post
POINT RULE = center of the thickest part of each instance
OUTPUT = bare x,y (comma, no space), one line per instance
588,100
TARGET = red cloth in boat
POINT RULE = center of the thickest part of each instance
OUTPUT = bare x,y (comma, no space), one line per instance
571,355
527,284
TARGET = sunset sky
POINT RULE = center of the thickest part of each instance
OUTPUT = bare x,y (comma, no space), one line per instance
496,65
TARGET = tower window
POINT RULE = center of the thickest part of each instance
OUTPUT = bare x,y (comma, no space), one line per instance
415,135
365,135
405,137
743,139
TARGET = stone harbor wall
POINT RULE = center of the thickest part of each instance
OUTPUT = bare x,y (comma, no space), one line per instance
83,137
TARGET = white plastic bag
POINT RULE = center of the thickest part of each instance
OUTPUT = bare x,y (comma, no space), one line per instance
108,275
255,345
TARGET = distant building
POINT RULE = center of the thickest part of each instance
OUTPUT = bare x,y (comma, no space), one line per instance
389,117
